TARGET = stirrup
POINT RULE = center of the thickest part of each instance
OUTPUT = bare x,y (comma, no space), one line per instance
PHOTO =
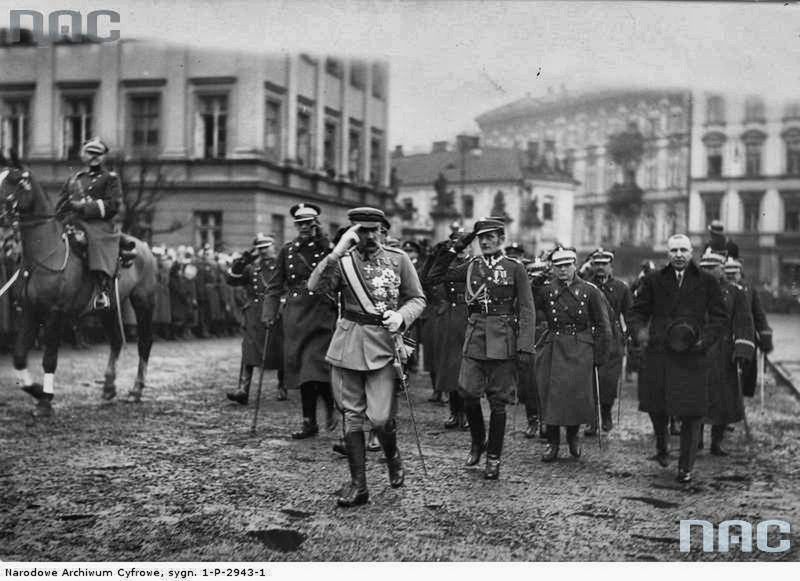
102,301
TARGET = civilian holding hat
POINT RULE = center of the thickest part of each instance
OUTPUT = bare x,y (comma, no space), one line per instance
733,271
499,335
91,198
719,243
308,318
251,272
677,315
735,349
620,302
577,339
381,296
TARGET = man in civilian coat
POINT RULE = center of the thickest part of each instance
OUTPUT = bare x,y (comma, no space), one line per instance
677,315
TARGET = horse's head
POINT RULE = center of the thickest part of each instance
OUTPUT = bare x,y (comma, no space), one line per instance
21,195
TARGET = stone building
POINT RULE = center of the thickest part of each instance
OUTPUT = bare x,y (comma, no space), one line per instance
746,173
238,137
473,182
575,131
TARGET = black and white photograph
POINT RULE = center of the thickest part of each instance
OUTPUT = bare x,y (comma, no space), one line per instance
383,281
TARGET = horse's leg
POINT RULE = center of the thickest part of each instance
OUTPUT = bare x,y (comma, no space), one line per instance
143,307
26,336
114,336
52,340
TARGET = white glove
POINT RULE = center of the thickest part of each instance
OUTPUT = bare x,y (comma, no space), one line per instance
392,320
348,239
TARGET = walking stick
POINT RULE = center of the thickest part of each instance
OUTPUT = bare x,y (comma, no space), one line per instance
597,397
260,382
402,379
741,397
619,383
762,363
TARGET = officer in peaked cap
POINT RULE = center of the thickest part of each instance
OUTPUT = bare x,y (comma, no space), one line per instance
381,297
719,243
578,336
307,319
620,301
515,250
500,336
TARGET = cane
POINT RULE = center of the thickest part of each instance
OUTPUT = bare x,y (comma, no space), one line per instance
260,382
619,383
741,398
597,397
762,363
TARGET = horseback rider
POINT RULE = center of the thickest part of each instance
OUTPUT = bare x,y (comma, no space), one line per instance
91,198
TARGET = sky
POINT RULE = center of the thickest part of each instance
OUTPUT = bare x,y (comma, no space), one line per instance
453,60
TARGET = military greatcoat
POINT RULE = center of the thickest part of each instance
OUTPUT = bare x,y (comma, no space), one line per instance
763,335
308,318
737,340
620,302
578,338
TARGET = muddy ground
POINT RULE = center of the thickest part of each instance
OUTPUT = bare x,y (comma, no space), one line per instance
179,477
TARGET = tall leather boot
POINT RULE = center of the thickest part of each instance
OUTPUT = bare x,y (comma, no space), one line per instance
308,397
553,440
388,437
355,493
717,434
494,447
242,393
662,450
573,442
453,421
102,298
326,393
606,423
477,431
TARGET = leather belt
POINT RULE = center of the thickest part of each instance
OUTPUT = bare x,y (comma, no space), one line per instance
363,318
299,292
491,309
569,329
457,298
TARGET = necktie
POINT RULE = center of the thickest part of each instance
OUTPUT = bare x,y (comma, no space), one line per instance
680,279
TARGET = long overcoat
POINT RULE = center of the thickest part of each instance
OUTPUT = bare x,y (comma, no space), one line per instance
308,318
676,383
737,340
577,338
763,332
620,302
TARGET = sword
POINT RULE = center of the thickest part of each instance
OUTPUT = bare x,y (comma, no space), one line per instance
402,379
619,384
597,397
741,398
260,382
762,361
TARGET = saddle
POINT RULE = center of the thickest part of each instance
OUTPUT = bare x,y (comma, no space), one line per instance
80,244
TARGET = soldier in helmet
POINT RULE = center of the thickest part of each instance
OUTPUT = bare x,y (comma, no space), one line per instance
308,318
499,334
91,197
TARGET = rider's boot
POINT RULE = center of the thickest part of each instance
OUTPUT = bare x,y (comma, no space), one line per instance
102,298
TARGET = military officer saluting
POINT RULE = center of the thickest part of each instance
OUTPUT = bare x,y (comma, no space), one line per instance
91,197
620,300
500,333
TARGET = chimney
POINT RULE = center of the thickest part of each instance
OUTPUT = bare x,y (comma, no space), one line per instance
439,147
398,151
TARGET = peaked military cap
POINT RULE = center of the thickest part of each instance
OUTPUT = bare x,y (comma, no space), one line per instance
304,211
412,245
263,241
368,217
485,225
711,259
602,256
515,248
537,265
95,146
733,265
716,227
563,255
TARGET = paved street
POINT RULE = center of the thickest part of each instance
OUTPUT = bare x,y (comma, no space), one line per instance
179,477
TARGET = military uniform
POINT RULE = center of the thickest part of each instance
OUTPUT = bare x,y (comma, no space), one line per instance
362,352
308,319
500,325
528,391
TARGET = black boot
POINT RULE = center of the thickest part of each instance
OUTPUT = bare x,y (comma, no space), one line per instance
662,450
494,447
700,442
573,441
388,437
102,297
553,439
674,430
533,427
308,397
717,433
605,414
326,393
242,393
455,411
355,492
477,431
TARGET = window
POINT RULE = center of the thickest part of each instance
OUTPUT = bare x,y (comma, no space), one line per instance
591,173
676,121
378,81
208,229
468,205
547,209
675,176
77,125
752,159
715,110
792,140
569,162
754,110
751,210
354,154
651,171
712,203
14,123
304,137
358,74
611,174
376,158
212,126
334,68
278,226
714,161
145,112
272,129
331,146
792,111
791,211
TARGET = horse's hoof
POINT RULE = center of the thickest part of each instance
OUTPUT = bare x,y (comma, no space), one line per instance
35,390
134,396
43,409
109,394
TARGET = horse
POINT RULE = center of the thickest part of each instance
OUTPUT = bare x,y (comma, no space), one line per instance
54,283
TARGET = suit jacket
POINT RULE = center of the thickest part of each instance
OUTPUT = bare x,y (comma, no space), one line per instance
394,285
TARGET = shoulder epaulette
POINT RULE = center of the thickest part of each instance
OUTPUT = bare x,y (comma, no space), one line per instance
395,250
517,260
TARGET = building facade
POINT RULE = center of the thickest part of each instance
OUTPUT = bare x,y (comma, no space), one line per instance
746,173
232,138
575,130
536,199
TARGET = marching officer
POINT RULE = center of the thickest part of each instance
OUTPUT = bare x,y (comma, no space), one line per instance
577,340
252,271
538,273
308,317
380,297
733,270
728,356
92,197
620,300
499,336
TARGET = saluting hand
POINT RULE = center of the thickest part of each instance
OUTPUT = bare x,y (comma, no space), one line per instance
348,239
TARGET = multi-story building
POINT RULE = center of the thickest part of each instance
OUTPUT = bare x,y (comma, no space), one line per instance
575,129
535,197
746,173
236,137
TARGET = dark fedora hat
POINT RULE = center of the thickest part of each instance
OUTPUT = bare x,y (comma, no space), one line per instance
681,336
